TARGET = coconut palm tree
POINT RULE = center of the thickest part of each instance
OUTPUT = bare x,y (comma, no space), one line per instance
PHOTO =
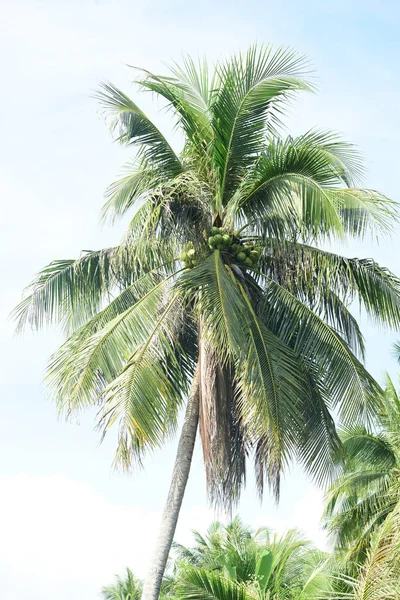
219,295
368,490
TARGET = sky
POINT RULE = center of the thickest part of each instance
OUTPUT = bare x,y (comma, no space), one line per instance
68,523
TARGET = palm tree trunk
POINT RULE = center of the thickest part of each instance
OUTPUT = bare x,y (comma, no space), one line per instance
180,475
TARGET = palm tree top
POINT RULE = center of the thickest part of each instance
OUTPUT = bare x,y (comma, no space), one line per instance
230,118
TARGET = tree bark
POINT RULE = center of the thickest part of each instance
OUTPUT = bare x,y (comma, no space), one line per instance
180,475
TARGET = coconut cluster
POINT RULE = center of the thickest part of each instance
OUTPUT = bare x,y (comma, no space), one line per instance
246,254
188,256
243,253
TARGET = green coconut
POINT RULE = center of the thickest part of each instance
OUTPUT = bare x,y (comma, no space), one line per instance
241,256
254,255
226,239
248,261
214,230
218,239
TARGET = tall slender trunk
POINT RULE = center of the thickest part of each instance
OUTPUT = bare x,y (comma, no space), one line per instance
180,475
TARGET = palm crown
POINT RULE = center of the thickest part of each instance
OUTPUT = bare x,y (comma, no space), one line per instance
219,281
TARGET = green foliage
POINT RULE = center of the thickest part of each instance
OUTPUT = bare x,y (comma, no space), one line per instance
264,568
362,498
137,129
125,588
379,575
232,562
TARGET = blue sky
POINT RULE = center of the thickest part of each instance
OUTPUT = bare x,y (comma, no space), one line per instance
67,521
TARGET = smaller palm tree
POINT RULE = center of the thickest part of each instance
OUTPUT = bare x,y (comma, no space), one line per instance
125,588
367,492
129,587
232,563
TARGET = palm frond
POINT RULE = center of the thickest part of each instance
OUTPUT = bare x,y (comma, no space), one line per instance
94,356
189,93
318,442
365,495
169,216
365,211
342,159
345,381
135,366
199,584
217,304
303,179
135,128
217,299
270,383
145,398
252,89
365,448
71,292
309,271
68,291
396,351
139,179
380,576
